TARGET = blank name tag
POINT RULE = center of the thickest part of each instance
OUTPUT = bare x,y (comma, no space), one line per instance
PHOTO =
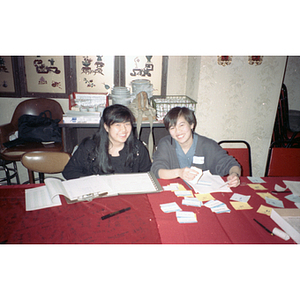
199,160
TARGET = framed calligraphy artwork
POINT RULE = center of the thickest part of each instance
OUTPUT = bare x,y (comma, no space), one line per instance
46,76
145,67
94,74
9,77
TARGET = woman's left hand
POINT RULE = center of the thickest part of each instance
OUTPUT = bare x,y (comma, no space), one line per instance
233,180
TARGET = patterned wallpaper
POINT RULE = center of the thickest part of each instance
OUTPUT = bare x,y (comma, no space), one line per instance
237,101
292,81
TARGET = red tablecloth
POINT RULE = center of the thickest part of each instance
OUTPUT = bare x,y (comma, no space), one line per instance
145,223
236,227
76,223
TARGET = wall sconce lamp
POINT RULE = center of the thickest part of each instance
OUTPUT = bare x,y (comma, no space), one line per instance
224,60
255,60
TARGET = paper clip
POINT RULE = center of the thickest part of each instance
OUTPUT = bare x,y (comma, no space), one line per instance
89,197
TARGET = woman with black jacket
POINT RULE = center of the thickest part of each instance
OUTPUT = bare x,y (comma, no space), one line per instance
112,149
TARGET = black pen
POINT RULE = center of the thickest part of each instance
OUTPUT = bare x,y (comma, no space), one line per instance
115,213
264,227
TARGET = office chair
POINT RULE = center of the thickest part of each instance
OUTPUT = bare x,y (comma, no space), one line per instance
44,162
242,155
283,162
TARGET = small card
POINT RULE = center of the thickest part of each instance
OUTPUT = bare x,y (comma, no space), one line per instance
174,187
240,205
213,203
170,188
184,193
192,202
293,198
279,188
204,197
274,202
256,179
222,208
240,198
267,195
170,207
264,210
186,217
257,186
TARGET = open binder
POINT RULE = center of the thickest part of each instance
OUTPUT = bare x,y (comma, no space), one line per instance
90,187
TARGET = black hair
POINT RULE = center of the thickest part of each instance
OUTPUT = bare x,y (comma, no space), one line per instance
112,114
173,114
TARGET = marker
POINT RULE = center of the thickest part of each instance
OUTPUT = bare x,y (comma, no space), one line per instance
115,213
264,227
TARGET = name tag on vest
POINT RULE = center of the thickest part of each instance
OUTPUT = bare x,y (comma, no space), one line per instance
198,160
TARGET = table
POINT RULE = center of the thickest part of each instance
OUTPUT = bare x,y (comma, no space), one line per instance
78,223
236,227
145,223
73,133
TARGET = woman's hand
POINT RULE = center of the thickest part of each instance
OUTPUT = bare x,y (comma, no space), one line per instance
233,179
187,174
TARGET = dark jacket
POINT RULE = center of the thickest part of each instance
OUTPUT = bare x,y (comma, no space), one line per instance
82,162
210,156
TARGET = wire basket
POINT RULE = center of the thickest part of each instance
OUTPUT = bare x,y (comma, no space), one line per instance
163,104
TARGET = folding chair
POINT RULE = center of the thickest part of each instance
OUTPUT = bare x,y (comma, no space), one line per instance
242,155
283,162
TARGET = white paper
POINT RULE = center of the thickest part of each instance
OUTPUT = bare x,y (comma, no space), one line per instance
293,198
192,202
186,217
274,202
240,198
256,179
38,198
216,184
279,188
197,177
294,186
170,207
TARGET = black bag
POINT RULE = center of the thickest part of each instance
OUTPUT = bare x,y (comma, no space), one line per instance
36,129
39,128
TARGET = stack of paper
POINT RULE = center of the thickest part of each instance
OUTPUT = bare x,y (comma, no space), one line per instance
81,117
209,183
186,217
217,206
170,207
182,216
192,202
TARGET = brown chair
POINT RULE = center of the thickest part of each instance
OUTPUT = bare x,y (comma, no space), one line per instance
283,162
44,162
242,155
31,107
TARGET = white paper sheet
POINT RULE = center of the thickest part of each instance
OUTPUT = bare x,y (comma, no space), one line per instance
294,186
209,183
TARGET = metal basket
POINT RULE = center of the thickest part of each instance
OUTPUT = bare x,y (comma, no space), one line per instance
163,104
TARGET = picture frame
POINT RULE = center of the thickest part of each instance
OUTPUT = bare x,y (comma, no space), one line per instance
153,68
46,76
9,77
94,73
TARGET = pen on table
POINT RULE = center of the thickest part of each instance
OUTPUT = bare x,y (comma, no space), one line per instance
227,182
264,227
115,213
